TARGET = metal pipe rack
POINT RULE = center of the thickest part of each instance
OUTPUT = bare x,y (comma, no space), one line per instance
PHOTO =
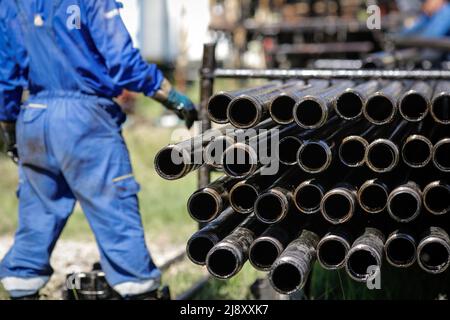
209,72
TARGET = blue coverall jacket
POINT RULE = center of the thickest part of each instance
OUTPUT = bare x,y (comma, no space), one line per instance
74,56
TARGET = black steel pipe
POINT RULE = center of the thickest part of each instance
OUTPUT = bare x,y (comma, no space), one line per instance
440,105
313,110
227,257
288,148
244,194
281,108
373,196
364,259
383,155
441,152
243,159
213,152
247,110
273,205
333,248
316,155
405,202
417,151
339,204
381,106
271,244
352,149
415,103
205,204
433,251
400,249
349,104
308,195
218,103
173,162
290,271
177,160
204,240
436,197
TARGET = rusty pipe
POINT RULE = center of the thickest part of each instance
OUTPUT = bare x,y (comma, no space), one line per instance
227,258
365,257
290,271
271,244
433,251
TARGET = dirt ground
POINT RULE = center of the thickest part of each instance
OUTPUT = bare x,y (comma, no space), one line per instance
76,256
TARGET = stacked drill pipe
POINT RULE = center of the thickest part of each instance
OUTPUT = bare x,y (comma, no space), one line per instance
351,174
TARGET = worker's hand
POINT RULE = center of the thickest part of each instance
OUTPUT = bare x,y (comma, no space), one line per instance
8,134
177,102
183,107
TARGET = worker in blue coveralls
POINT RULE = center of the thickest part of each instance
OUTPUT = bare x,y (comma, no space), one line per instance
434,22
74,57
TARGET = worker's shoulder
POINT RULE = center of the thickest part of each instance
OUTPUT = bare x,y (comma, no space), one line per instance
445,11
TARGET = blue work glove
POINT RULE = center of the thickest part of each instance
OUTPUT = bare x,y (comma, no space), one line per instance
183,107
8,134
177,102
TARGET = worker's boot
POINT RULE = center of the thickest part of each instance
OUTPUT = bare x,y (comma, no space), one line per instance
160,294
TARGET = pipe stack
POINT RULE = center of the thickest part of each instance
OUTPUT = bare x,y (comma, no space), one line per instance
350,174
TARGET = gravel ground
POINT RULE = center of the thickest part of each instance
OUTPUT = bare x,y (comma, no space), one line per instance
76,256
